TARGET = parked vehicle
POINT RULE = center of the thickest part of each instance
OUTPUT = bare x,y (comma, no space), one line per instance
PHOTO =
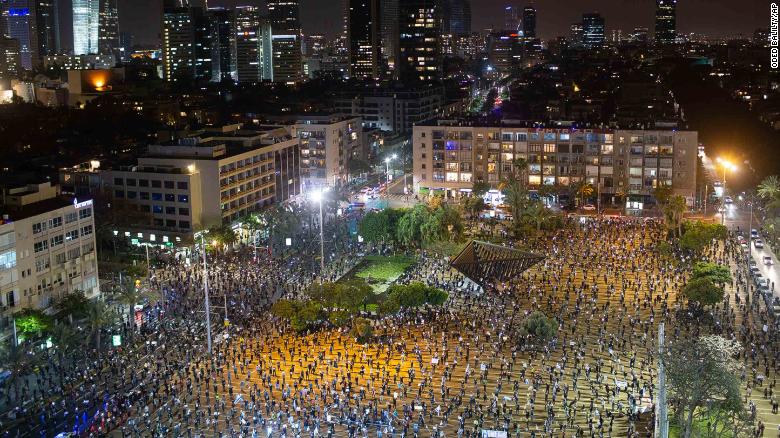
758,243
768,260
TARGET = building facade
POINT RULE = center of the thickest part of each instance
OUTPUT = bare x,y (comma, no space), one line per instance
47,250
208,179
86,27
223,45
284,16
21,17
592,30
364,38
392,109
449,156
108,36
327,143
665,21
420,46
254,53
529,22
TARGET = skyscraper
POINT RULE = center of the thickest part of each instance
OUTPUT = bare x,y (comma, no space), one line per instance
9,57
529,22
576,34
457,17
511,20
665,21
21,20
364,38
202,43
389,23
86,26
223,45
254,60
48,26
178,57
108,37
420,54
592,30
284,16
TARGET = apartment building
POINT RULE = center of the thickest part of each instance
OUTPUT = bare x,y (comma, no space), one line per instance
207,179
47,249
450,155
327,144
394,109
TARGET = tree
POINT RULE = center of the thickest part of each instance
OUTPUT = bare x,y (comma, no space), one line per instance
540,327
674,209
362,329
662,194
410,225
20,363
473,205
72,305
479,188
714,272
129,296
99,316
284,308
702,378
515,195
769,188
66,341
703,292
32,321
538,214
583,190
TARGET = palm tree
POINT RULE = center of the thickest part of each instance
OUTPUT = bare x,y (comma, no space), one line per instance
129,296
674,210
66,341
20,363
538,214
583,190
769,188
98,317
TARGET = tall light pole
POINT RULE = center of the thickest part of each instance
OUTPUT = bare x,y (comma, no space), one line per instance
318,197
726,166
387,172
206,291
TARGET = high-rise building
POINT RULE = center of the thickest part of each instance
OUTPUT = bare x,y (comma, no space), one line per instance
108,36
178,54
511,19
48,25
10,59
86,26
125,45
420,54
202,43
223,44
576,34
364,38
21,20
457,17
284,16
389,23
529,22
665,21
592,30
254,59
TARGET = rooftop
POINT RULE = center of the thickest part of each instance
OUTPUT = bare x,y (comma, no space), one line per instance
480,122
10,213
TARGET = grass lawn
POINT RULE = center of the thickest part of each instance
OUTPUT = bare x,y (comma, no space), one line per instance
384,269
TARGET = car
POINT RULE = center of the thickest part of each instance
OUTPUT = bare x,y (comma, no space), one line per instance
754,270
589,207
729,200
744,245
758,243
754,234
768,260
764,290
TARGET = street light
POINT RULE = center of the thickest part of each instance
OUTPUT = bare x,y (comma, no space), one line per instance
727,165
387,172
206,291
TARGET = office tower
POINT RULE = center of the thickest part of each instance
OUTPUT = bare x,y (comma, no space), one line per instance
284,16
665,21
420,55
511,20
125,45
20,16
48,25
86,26
639,35
108,36
364,42
389,23
592,30
254,59
10,59
202,43
457,17
576,34
178,58
529,22
223,45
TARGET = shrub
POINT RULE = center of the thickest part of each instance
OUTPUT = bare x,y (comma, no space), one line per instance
362,329
703,291
540,327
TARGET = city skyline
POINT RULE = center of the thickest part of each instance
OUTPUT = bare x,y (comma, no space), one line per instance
713,18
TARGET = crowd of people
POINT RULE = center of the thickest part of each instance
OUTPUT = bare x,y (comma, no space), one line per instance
454,370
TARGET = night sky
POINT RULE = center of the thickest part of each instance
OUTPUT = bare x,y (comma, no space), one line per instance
711,17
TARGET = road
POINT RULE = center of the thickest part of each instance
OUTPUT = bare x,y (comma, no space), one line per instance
738,217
